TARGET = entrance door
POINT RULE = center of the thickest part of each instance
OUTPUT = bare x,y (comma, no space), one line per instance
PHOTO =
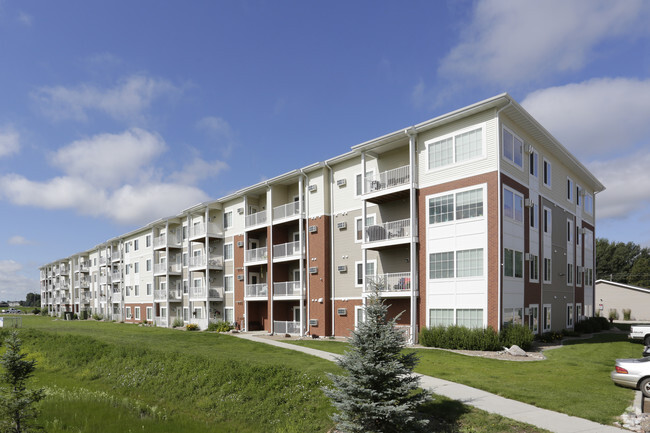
296,314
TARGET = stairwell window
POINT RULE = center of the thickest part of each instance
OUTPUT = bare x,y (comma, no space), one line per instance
513,148
228,283
569,189
547,270
469,263
547,173
589,204
456,148
227,252
513,205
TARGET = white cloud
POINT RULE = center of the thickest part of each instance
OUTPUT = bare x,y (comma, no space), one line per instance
57,193
508,43
19,240
107,160
127,100
220,131
198,170
9,141
13,285
596,117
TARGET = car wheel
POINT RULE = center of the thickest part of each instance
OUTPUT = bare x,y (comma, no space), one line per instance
646,340
644,386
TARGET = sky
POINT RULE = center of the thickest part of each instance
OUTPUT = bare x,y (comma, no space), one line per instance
114,114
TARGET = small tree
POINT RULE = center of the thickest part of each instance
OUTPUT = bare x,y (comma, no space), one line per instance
16,401
379,393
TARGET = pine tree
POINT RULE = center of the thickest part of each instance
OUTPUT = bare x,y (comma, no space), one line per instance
16,401
379,393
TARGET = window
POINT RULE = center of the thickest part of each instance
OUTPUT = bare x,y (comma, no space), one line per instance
534,217
128,312
359,182
136,245
126,247
128,290
533,163
136,267
578,196
569,189
163,312
148,265
577,235
441,209
358,227
126,269
469,263
547,173
228,283
227,220
149,313
227,252
137,313
513,205
469,318
229,315
149,287
578,276
589,204
513,263
578,312
569,274
533,318
513,316
569,230
469,204
359,315
441,265
569,316
370,271
184,232
441,317
513,148
184,259
136,290
546,317
147,241
547,270
197,312
534,268
589,277
461,147
547,220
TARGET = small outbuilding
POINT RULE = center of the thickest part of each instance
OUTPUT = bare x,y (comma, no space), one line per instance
621,298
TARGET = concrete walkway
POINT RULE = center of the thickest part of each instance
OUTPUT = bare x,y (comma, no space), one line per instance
543,418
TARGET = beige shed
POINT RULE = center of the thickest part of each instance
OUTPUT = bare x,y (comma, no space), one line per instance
610,296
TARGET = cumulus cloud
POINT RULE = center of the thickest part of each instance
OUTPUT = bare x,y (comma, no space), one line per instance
19,240
220,132
9,141
13,284
127,100
508,43
197,170
597,117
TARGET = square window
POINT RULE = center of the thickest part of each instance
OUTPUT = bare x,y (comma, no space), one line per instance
441,265
441,317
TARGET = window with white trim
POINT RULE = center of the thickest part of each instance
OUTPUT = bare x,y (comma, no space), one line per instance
441,317
534,217
227,252
589,204
533,318
371,270
148,265
469,263
441,265
546,318
358,227
149,313
569,315
578,312
513,148
136,245
513,263
227,220
228,283
149,289
469,317
569,274
569,189
137,313
128,312
548,228
229,315
513,316
547,173
359,190
513,205
533,163
455,149
569,230
468,204
147,241
534,267
547,270
578,195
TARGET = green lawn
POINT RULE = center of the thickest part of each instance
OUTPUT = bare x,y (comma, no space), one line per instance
113,377
573,380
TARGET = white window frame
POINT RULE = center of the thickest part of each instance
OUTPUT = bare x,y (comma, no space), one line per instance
149,289
225,314
570,272
359,313
546,178
579,193
232,251
127,311
569,229
531,317
232,286
454,212
550,271
534,214
589,199
578,314
136,316
148,265
503,148
547,220
533,258
360,181
363,227
546,328
186,314
570,189
148,314
515,195
534,155
356,271
570,315
453,135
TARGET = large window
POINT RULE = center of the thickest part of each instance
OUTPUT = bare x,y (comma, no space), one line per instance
441,317
358,227
513,148
469,263
513,205
468,204
513,316
469,318
513,265
455,149
441,265
589,204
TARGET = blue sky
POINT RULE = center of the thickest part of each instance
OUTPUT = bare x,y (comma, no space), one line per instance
113,114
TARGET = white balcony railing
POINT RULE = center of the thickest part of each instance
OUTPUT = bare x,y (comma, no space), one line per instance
84,283
286,327
256,255
387,180
117,296
116,256
289,249
257,290
103,260
395,282
202,229
202,292
164,240
64,270
164,295
287,288
256,219
286,210
84,267
104,279
161,322
85,298
163,268
388,231
116,277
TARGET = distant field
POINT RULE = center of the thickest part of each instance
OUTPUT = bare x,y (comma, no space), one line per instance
110,377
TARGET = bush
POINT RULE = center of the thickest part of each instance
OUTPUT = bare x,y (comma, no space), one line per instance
44,312
591,325
459,337
98,316
220,326
613,314
520,335
177,323
192,327
36,311
75,317
627,314
549,337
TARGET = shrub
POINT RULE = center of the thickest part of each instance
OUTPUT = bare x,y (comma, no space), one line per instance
98,316
75,317
459,337
177,323
192,327
549,337
520,335
220,326
36,311
613,314
627,314
44,312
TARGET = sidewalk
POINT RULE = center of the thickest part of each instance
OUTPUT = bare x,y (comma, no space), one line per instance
543,418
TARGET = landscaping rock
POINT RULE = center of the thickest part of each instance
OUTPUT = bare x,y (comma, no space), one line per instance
516,351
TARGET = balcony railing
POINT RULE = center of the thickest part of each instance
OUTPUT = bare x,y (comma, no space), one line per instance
116,277
116,256
84,283
286,327
286,250
388,231
103,261
395,282
84,267
164,295
287,288
256,255
201,261
173,240
387,180
286,211
64,270
161,322
162,268
104,279
257,290
85,298
256,219
203,229
202,292
117,296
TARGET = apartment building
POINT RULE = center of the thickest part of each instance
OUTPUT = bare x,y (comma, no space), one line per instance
478,217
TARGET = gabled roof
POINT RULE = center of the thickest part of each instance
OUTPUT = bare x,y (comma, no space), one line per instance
623,286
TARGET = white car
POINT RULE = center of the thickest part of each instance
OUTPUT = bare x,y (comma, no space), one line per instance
641,332
12,311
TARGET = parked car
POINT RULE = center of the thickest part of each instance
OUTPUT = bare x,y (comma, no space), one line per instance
640,332
633,373
11,311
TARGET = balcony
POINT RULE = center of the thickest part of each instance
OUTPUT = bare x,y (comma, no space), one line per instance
104,279
84,283
103,261
286,211
116,256
215,263
84,267
198,293
386,234
167,295
256,219
57,300
85,298
163,241
202,230
64,270
256,255
116,277
164,268
288,251
389,285
287,289
117,296
386,182
257,290
65,300
286,327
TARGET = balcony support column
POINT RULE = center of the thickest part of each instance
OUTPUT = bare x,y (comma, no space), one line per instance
413,214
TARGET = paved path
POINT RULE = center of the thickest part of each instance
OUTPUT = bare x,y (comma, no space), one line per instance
543,418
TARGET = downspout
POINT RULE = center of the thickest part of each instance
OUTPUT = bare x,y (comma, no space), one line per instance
413,259
303,199
364,251
331,241
269,254
499,220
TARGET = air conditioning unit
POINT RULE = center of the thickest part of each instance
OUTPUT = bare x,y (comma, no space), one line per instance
313,229
240,210
312,188
343,268
526,256
240,244
528,203
313,322
342,225
341,182
240,277
342,311
313,270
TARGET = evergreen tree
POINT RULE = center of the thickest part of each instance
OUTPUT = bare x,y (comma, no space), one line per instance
379,393
16,401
